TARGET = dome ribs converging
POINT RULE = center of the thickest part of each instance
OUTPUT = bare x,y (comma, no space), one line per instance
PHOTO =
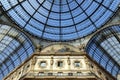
60,20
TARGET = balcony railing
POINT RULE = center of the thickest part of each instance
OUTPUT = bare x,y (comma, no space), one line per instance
60,74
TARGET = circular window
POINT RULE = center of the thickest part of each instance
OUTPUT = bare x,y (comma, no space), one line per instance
60,20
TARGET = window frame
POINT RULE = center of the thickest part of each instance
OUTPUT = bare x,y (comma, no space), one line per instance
43,62
80,65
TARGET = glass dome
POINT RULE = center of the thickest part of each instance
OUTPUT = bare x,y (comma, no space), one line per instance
104,47
15,48
60,20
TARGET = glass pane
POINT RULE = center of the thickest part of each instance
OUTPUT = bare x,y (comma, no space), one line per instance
85,16
104,48
12,52
77,64
43,64
60,64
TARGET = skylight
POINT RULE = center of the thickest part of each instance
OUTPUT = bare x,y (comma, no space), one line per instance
15,48
60,20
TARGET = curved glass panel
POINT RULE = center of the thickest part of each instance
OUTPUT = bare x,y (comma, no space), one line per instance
60,20
104,47
15,48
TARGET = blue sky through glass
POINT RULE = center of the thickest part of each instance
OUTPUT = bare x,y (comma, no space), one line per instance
104,48
60,20
15,48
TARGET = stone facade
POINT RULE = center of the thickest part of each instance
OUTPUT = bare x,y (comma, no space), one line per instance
59,62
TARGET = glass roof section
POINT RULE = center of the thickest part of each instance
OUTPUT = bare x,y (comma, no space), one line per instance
15,48
104,48
60,20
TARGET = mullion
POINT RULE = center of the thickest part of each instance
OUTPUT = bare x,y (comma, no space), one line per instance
107,41
60,5
45,24
72,18
112,46
14,5
33,13
104,5
87,16
4,37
